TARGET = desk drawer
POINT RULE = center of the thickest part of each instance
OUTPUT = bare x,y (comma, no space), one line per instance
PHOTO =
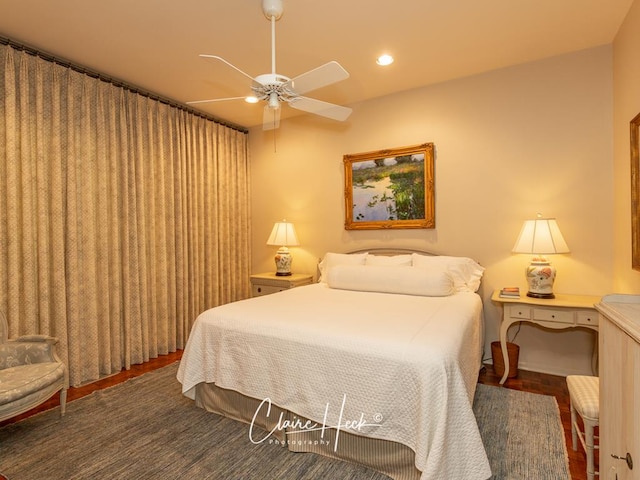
520,311
559,316
588,318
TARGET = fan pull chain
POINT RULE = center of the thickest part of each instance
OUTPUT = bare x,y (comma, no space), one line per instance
275,150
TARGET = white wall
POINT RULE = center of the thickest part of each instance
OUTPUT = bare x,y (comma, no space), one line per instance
626,74
509,143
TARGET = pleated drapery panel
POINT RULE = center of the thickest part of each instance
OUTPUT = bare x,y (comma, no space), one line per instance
121,217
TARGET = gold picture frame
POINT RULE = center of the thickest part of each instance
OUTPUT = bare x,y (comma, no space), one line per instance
389,189
635,192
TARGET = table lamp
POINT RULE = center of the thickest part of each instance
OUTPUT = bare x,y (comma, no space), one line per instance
540,237
283,234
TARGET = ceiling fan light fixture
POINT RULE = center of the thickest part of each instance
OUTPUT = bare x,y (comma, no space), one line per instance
274,103
384,60
251,99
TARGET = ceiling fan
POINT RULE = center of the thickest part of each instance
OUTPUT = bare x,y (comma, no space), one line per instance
276,89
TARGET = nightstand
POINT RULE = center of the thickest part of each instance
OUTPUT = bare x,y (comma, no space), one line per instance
266,283
564,311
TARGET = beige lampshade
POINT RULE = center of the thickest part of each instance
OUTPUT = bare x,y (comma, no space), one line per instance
283,234
540,236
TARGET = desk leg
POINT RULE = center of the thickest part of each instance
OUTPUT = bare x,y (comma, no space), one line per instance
594,357
504,328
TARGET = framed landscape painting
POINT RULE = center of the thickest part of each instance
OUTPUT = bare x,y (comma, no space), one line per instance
391,188
635,192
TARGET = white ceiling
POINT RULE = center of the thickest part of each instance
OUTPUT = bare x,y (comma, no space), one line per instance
154,44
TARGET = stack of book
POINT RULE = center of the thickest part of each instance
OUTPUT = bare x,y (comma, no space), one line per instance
510,292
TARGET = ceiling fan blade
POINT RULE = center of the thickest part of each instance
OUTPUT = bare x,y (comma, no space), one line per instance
215,57
321,76
318,107
270,118
193,102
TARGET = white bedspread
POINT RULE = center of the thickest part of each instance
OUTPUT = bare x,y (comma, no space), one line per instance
404,365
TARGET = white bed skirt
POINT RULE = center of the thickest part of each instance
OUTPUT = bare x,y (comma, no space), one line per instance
391,458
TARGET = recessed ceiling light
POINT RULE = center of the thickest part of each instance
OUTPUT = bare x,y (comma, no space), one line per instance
251,99
384,60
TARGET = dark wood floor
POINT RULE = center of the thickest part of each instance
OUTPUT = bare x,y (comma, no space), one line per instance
525,381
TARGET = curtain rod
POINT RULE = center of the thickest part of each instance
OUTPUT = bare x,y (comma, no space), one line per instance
117,83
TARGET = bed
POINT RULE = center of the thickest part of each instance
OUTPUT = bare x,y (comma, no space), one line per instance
377,364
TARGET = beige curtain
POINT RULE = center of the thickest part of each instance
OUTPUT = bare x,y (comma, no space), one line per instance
121,217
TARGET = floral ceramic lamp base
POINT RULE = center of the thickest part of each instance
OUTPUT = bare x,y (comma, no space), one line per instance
283,262
540,277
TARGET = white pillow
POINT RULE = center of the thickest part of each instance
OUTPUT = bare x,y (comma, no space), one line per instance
466,273
394,260
332,259
385,279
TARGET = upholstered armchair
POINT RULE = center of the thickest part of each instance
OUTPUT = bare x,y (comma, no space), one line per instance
30,372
